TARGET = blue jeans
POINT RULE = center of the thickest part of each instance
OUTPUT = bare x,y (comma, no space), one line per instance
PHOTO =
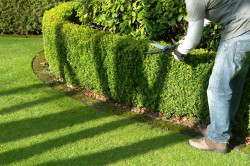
226,84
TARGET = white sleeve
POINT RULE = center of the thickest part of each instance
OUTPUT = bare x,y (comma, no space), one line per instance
193,37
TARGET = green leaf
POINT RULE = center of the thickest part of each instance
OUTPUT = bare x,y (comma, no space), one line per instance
122,8
180,18
133,14
172,22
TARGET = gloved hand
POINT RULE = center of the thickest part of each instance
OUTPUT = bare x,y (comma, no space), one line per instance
178,56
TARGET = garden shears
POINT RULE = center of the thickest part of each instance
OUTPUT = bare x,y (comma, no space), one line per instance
167,49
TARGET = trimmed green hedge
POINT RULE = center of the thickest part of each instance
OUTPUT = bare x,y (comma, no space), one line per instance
116,66
24,16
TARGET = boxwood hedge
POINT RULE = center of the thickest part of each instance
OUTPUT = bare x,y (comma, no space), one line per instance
116,66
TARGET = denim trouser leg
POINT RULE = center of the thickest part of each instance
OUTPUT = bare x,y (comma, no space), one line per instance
226,84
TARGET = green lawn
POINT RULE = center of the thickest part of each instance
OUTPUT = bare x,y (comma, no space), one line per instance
39,126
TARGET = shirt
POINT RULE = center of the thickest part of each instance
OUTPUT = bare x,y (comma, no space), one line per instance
232,15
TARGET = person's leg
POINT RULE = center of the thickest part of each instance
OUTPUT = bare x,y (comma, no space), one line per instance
242,58
226,84
219,95
224,92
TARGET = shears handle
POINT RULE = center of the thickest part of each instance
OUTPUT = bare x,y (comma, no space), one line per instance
180,41
177,43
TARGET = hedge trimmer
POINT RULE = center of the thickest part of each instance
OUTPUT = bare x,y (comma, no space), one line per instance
163,48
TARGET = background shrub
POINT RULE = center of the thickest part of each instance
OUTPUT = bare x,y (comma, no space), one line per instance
116,66
24,16
151,19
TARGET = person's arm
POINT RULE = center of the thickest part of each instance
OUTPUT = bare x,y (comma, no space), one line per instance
196,12
192,38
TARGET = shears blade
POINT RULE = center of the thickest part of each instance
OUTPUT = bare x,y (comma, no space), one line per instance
157,45
162,48
155,51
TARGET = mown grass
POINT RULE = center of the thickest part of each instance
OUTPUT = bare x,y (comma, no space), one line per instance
39,126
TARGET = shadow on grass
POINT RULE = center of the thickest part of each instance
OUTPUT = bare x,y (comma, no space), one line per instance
120,153
17,107
26,90
100,158
21,89
12,131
